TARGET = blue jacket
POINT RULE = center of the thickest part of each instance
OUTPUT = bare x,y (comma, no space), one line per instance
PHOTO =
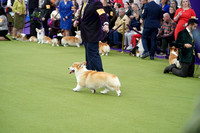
152,14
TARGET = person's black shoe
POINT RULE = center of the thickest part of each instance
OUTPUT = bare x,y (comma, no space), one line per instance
151,57
145,55
169,68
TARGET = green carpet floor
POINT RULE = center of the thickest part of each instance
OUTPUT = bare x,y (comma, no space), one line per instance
36,93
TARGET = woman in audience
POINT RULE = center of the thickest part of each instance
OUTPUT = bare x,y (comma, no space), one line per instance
174,4
182,16
127,9
165,7
116,7
55,22
19,9
3,25
135,25
66,9
172,11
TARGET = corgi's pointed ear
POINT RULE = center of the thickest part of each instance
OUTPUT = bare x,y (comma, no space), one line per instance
36,29
82,64
42,29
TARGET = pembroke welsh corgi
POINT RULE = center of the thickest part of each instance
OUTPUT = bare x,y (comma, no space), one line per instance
138,49
93,79
57,40
104,48
32,39
173,56
72,40
41,37
23,37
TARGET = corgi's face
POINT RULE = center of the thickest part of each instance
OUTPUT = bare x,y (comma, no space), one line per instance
174,51
76,67
40,31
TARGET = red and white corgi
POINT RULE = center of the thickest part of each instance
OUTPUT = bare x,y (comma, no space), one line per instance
41,37
72,40
104,48
173,56
93,79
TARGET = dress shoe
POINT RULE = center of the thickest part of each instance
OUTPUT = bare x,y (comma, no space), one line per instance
169,68
151,57
145,55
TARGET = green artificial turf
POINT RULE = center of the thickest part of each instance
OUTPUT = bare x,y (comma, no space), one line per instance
36,93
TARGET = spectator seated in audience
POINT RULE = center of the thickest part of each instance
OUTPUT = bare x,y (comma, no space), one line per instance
116,7
3,25
135,24
127,9
114,36
54,23
172,11
137,36
166,32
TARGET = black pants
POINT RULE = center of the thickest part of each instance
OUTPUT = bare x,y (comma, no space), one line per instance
187,69
46,27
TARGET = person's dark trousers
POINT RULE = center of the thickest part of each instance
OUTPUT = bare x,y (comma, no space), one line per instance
165,42
46,27
152,32
93,58
187,69
114,37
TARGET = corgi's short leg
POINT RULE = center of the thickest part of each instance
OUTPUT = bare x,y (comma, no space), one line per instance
78,88
77,45
93,91
105,91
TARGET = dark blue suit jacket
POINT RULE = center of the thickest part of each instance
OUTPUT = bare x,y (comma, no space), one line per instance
91,23
152,14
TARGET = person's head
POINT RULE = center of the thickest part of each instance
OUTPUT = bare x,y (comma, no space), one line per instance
164,2
121,12
135,7
2,11
174,3
131,2
117,5
172,10
166,17
126,5
192,24
185,4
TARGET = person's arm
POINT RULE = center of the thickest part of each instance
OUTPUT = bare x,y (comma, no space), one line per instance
177,15
103,17
71,11
144,12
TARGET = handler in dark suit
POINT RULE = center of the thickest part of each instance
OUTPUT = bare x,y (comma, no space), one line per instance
187,52
152,14
92,18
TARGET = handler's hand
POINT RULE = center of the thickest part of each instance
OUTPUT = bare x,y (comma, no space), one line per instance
106,28
199,55
188,45
75,24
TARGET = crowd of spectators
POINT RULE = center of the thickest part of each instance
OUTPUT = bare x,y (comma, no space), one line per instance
54,15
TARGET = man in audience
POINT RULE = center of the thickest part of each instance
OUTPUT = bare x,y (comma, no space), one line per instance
152,14
166,32
186,53
115,36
